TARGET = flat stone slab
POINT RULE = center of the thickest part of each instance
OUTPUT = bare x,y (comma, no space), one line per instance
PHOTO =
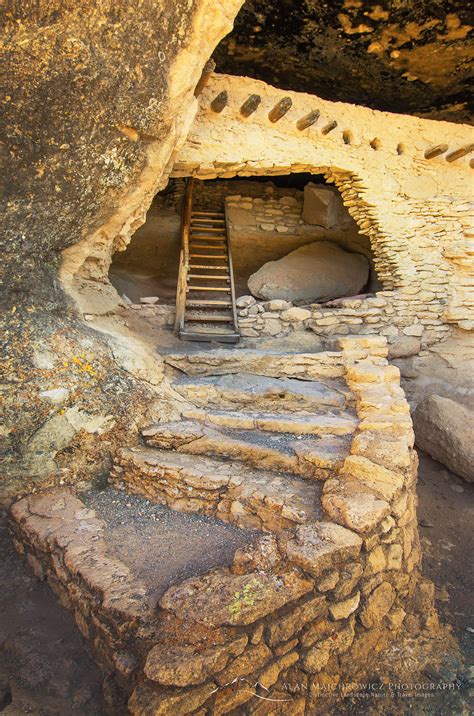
305,366
276,394
296,423
307,456
240,599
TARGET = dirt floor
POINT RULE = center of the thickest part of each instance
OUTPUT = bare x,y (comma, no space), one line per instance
161,546
45,668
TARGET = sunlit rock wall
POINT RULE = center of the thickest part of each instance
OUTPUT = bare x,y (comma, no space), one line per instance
97,96
415,210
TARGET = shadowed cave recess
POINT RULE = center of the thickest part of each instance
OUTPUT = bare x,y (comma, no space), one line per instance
267,219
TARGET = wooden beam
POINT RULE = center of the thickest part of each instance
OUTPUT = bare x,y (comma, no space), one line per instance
308,120
184,255
458,153
435,151
250,105
329,127
219,102
209,68
280,109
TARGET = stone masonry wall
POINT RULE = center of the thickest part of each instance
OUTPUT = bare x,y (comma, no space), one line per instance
416,211
307,606
266,228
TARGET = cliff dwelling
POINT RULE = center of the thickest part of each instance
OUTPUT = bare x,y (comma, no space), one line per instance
266,220
238,322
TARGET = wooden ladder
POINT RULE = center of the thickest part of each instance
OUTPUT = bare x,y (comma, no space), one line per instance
205,296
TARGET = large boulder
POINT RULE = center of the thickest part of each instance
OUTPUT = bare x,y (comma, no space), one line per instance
323,206
443,429
314,272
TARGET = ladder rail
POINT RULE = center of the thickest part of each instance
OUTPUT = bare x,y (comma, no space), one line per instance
231,274
204,246
184,256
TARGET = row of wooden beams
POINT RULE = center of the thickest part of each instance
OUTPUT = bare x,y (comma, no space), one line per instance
451,156
252,103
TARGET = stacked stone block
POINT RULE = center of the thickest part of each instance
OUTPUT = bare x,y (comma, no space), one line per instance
303,606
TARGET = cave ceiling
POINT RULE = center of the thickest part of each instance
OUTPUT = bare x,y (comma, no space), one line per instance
407,56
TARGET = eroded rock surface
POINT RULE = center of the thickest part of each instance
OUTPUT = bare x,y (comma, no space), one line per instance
443,429
398,57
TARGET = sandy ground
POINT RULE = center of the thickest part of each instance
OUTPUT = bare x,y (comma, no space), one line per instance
45,669
163,547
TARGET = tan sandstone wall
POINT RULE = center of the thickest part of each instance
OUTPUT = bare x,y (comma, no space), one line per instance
416,211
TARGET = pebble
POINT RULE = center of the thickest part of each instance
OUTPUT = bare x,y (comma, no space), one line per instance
457,488
426,523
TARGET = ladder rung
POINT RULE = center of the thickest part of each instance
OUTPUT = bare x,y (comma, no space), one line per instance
208,256
208,303
195,219
208,288
224,277
208,238
208,213
208,248
211,229
209,317
200,266
211,336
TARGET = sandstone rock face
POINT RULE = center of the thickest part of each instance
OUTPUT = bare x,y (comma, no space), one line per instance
115,105
316,272
323,207
444,430
337,35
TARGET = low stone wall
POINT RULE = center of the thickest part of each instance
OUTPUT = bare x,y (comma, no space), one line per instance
366,316
213,194
312,604
379,314
156,314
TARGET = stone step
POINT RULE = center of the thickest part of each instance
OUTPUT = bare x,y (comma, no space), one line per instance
305,366
311,458
225,490
295,424
275,394
111,556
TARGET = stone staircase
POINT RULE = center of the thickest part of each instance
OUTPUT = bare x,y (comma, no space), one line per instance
266,538
254,445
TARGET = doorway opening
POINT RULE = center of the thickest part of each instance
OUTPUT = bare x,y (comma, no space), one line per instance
275,224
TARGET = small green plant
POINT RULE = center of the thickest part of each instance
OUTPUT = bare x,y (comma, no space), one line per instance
245,598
